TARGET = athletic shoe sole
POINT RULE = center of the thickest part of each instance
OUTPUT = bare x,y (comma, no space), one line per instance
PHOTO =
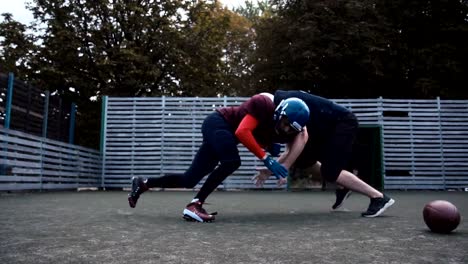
191,216
190,219
385,207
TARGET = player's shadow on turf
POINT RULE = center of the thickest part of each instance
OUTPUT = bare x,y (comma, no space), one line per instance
298,217
258,217
308,217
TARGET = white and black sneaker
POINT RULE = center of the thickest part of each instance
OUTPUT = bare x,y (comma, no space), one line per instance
341,195
378,205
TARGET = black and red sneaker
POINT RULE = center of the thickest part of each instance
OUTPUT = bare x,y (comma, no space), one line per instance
195,212
138,187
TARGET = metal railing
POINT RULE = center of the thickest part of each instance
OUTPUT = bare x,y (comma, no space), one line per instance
26,108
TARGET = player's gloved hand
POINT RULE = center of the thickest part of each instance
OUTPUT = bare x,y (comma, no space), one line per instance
275,167
274,149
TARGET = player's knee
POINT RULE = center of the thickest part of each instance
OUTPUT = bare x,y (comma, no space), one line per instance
230,166
330,174
189,182
226,167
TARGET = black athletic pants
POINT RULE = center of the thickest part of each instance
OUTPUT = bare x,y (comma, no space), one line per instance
218,156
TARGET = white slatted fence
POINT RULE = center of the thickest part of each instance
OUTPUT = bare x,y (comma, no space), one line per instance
425,143
29,162
150,137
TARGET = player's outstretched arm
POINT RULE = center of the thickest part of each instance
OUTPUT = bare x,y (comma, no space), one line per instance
294,149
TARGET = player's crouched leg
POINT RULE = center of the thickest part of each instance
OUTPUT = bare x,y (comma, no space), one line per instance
194,211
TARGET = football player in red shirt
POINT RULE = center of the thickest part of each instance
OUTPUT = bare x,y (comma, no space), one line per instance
258,124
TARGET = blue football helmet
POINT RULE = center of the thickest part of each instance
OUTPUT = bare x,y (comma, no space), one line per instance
295,110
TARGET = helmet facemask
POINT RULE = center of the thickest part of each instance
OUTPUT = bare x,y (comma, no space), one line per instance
284,128
290,116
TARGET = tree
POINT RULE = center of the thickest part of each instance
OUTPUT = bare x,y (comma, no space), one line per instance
325,47
216,45
16,47
255,12
434,45
256,15
137,48
103,47
410,49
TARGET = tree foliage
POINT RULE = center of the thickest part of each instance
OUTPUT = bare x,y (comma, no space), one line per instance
433,40
365,48
346,48
135,48
16,46
218,44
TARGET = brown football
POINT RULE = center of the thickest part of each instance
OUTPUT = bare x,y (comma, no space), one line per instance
441,216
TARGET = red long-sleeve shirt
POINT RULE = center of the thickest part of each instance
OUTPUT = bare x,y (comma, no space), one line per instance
245,135
252,123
